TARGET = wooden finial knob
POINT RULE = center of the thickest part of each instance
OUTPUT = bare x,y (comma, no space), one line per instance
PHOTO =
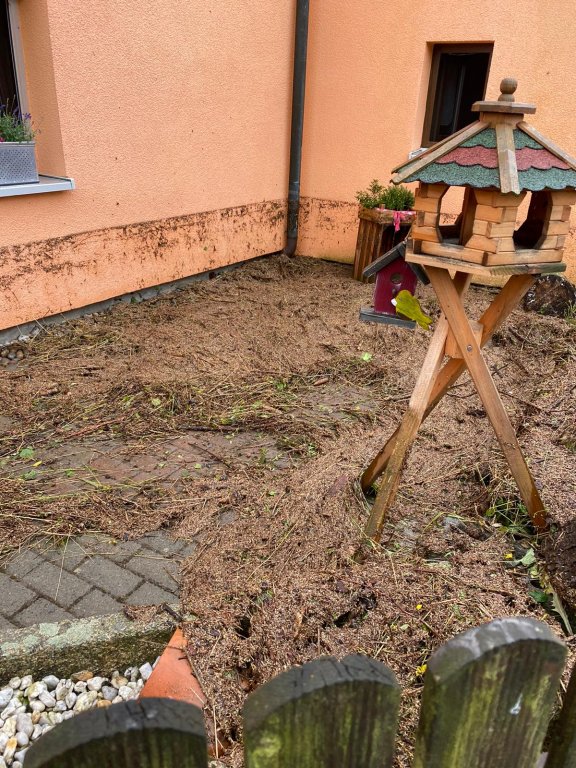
507,88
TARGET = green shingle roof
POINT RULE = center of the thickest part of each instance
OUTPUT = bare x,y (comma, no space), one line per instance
478,161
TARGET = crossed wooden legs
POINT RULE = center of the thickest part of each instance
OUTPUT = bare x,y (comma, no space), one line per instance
433,383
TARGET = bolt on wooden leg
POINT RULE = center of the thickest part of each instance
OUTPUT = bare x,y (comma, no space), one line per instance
456,316
492,319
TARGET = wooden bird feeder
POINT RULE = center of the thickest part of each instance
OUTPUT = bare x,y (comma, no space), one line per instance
498,160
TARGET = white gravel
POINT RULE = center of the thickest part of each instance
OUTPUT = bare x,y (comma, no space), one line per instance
29,708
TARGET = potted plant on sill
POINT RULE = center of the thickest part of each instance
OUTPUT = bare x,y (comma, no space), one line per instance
17,147
384,212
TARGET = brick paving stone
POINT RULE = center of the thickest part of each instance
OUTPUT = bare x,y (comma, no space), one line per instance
5,624
23,562
188,549
161,543
108,576
68,555
153,567
94,543
56,584
145,463
95,603
13,596
90,575
41,611
112,468
149,594
123,550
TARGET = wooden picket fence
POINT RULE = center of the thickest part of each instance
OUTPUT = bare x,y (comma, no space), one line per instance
487,702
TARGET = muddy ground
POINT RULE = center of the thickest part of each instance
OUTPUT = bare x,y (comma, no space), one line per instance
240,412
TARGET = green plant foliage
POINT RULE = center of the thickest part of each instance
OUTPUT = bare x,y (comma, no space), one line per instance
539,596
511,515
398,198
15,126
394,198
372,196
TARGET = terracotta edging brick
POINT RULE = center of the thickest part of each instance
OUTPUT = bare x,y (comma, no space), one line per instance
172,677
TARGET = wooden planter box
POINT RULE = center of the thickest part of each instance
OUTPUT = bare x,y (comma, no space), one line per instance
376,235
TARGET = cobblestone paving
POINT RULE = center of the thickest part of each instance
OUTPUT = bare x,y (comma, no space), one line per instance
91,575
76,466
94,575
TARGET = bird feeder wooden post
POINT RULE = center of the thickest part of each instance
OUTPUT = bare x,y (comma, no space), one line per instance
498,160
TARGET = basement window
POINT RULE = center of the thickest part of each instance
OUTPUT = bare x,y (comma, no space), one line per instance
458,78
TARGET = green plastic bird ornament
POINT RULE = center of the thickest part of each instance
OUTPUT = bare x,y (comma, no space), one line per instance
409,306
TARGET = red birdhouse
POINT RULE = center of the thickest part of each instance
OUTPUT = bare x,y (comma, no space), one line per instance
393,275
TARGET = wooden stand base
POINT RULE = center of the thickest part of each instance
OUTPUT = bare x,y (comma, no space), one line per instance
435,380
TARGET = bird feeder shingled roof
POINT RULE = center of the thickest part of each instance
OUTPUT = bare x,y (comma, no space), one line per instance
500,150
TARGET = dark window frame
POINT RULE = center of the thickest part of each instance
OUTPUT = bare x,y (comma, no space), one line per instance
438,50
14,55
8,78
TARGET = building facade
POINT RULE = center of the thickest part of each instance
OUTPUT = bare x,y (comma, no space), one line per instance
375,80
173,120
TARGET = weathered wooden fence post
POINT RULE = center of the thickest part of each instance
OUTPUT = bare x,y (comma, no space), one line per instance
488,696
148,733
324,714
487,700
563,743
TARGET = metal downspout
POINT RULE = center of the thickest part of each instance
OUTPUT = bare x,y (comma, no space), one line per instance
298,89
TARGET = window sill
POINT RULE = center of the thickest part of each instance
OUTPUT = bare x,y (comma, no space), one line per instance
44,184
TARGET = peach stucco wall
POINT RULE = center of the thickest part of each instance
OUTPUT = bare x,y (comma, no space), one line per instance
367,86
174,118
170,113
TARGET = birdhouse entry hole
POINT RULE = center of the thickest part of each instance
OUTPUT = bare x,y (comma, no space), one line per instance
536,207
396,278
457,210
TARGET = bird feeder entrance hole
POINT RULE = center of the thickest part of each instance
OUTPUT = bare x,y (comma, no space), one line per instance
389,282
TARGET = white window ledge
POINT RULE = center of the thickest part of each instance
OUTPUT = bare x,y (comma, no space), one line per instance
44,184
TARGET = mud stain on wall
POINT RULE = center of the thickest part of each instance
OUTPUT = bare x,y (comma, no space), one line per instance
45,278
328,229
51,276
